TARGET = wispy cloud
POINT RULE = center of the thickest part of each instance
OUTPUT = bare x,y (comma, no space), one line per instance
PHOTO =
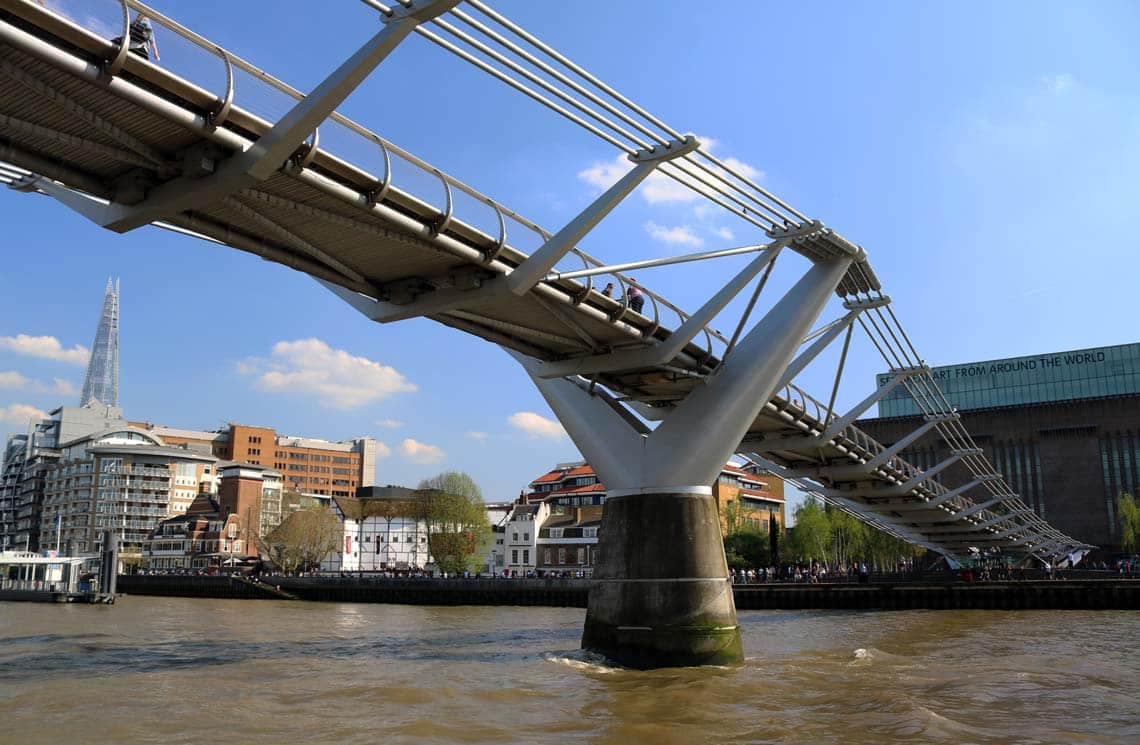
659,188
420,452
383,450
12,379
45,347
478,436
19,414
390,423
59,386
725,233
536,425
1058,83
678,234
338,379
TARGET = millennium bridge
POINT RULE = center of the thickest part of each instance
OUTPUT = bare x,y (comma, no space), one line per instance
654,397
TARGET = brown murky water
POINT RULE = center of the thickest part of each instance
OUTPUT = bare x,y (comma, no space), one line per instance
173,670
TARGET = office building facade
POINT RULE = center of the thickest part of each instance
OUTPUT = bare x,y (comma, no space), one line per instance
308,465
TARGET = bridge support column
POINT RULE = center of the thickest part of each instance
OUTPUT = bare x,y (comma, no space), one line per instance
662,596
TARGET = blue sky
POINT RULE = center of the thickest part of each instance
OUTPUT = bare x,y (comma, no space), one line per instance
985,155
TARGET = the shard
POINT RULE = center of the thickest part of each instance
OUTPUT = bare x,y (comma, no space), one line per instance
101,383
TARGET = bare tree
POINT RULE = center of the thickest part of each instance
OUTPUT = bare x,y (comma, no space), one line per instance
304,539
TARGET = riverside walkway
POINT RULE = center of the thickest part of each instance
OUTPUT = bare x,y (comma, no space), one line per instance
933,592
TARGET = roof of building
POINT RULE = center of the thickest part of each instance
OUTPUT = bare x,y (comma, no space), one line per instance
183,434
110,430
355,509
164,451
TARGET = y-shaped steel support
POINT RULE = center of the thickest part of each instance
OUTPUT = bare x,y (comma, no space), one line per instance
662,596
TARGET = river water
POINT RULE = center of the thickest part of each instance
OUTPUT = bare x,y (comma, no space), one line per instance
175,670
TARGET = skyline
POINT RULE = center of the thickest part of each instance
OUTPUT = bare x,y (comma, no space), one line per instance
212,338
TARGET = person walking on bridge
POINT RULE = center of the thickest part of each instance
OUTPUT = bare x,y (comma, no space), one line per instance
635,296
141,38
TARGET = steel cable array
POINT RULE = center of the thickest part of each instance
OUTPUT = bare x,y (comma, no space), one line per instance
630,128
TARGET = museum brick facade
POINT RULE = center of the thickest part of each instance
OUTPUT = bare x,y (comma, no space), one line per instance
1069,460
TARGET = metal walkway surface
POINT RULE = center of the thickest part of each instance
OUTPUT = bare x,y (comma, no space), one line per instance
130,142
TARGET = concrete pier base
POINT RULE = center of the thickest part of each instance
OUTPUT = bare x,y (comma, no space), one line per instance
661,596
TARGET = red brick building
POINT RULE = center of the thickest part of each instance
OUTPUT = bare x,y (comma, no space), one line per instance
309,465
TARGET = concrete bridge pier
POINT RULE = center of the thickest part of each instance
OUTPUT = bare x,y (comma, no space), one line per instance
662,596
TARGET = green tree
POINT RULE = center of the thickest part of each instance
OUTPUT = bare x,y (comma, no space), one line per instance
812,537
458,529
746,549
1128,512
850,537
304,539
733,517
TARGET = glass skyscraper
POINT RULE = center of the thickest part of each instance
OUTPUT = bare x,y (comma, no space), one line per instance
101,383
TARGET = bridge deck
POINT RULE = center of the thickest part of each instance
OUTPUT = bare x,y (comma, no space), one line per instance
63,118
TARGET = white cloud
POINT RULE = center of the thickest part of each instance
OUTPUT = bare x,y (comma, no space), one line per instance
536,425
19,414
64,387
682,234
390,423
1058,83
338,379
659,188
605,175
476,435
419,452
383,450
725,233
46,347
12,379
59,386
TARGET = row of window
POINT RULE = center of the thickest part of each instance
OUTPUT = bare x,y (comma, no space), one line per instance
549,554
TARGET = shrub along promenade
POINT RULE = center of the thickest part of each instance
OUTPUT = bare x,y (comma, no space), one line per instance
935,593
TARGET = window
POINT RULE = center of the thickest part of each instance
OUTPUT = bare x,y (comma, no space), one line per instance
515,556
546,556
556,532
561,556
515,537
582,555
526,556
526,536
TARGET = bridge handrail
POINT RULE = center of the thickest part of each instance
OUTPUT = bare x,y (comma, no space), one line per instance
234,61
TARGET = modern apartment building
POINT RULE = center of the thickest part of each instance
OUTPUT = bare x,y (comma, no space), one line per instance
29,456
123,479
307,465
